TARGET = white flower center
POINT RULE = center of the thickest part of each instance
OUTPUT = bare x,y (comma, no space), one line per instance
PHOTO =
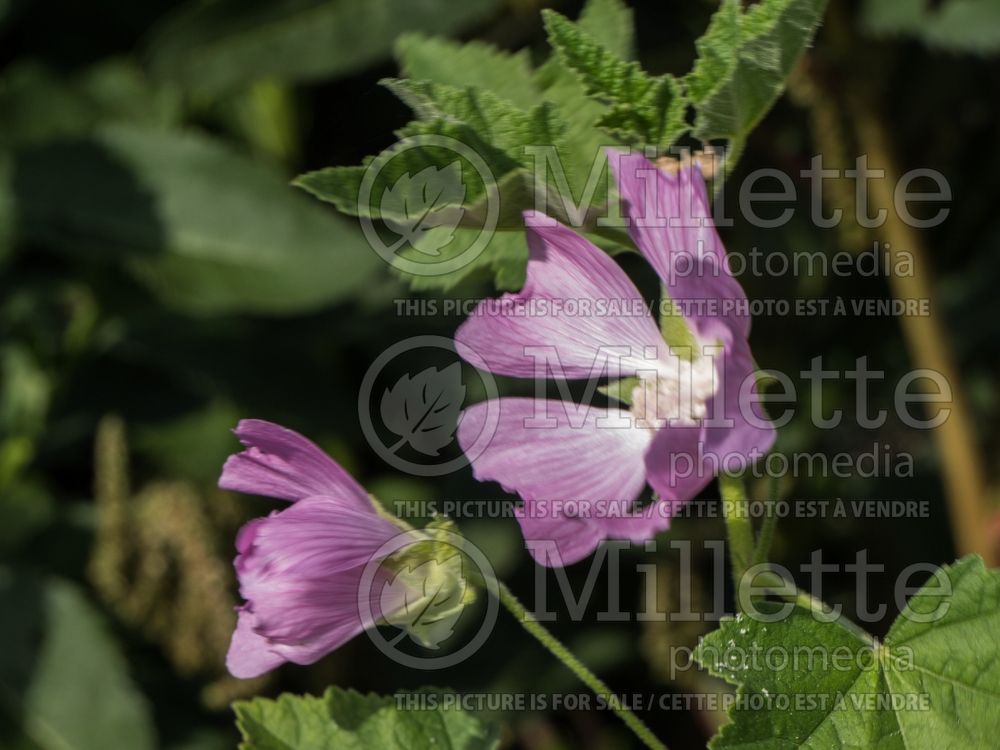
677,393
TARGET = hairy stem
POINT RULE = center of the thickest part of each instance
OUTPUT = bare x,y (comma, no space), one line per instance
563,654
804,599
762,549
738,526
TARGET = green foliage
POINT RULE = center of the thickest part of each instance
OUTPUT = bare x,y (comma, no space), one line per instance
542,132
36,104
743,61
347,720
474,65
212,48
932,684
495,104
955,25
643,109
63,681
204,228
421,153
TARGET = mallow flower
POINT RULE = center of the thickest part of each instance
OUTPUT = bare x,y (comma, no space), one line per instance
301,569
692,404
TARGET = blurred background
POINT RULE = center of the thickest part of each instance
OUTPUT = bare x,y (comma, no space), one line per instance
160,278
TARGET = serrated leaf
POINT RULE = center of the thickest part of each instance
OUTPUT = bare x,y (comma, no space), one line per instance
610,23
430,199
56,650
215,47
744,61
644,109
930,685
206,229
503,261
417,151
495,120
347,720
475,65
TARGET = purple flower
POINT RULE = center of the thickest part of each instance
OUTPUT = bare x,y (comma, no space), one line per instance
579,470
301,569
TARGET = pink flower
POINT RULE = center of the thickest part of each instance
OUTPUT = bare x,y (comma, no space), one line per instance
301,569
579,478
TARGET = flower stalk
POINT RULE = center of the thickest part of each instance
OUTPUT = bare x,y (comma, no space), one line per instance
577,667
738,526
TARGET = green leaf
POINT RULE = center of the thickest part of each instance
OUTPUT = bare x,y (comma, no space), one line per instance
610,24
218,46
503,261
62,679
206,229
418,152
744,59
644,109
956,25
496,104
495,120
36,104
930,685
347,720
475,65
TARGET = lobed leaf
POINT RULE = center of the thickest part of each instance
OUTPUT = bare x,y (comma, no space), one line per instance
930,685
347,720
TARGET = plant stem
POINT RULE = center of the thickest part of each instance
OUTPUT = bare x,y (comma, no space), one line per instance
563,654
738,526
765,536
744,555
804,599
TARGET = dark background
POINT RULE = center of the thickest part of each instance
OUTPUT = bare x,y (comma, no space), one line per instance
161,280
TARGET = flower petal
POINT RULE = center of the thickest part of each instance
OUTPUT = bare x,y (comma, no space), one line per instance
752,433
593,464
667,213
250,655
674,466
300,569
671,223
281,463
556,540
575,301
712,301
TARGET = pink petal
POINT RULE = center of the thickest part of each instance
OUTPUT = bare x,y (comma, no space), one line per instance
250,655
713,302
281,463
670,222
746,439
556,541
300,569
667,213
596,466
567,271
674,466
